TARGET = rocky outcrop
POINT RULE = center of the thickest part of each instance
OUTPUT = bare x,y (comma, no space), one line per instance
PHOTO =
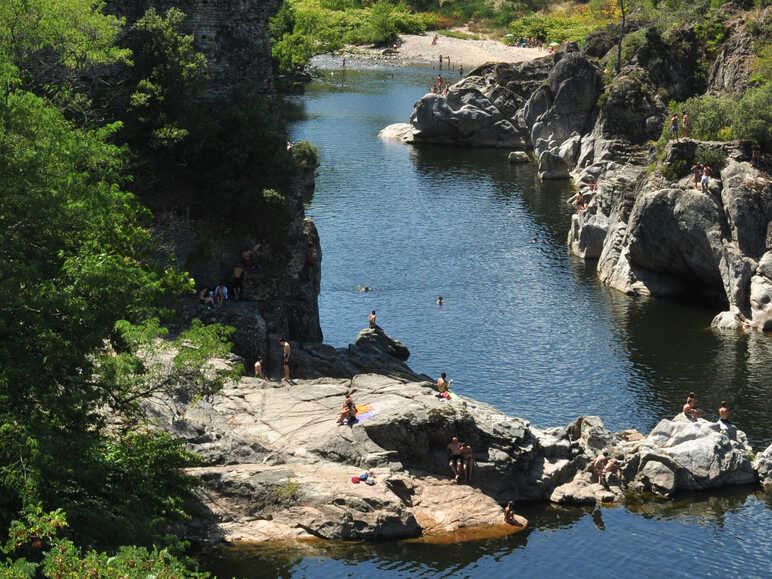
276,465
731,70
477,111
762,464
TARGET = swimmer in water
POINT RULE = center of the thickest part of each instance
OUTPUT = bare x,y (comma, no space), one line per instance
439,301
366,288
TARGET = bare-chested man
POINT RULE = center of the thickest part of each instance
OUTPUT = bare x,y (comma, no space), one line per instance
285,358
259,368
689,409
509,515
454,458
723,413
371,320
442,385
599,464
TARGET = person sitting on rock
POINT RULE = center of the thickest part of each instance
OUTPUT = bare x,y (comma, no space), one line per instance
689,409
610,470
442,385
371,321
348,411
467,460
509,515
454,458
598,465
205,297
259,368
220,293
723,413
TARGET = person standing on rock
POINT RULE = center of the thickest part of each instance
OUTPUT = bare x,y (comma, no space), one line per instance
371,321
454,458
259,368
689,409
674,126
439,83
697,172
285,358
706,172
723,413
467,460
685,124
599,464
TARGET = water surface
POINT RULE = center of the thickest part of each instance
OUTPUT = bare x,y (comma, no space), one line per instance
525,327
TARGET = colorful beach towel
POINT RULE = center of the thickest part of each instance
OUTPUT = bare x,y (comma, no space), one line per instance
364,412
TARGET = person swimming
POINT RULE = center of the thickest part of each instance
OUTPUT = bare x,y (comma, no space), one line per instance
439,301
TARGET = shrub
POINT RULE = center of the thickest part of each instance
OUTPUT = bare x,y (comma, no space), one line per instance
714,158
306,156
752,117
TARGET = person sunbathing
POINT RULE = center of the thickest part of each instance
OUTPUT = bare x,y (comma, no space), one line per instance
348,411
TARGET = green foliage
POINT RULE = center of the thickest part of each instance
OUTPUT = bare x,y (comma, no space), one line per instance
553,28
631,43
382,29
753,115
35,537
292,52
306,156
166,71
457,34
713,158
675,170
710,117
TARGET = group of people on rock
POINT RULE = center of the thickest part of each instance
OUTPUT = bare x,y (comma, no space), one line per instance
702,174
604,467
691,411
683,130
286,353
582,200
440,86
223,291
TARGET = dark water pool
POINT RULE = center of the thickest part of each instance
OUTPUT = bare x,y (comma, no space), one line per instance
525,327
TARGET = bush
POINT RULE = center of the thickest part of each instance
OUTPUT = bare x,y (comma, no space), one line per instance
752,118
306,156
713,158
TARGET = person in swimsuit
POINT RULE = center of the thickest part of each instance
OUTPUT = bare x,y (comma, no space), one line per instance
723,413
612,466
689,410
348,411
697,172
706,172
509,515
442,385
674,126
259,368
454,458
599,464
371,321
467,460
285,358
580,204
685,124
439,83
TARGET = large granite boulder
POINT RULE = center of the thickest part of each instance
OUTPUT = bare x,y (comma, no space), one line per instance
731,70
628,110
684,455
552,167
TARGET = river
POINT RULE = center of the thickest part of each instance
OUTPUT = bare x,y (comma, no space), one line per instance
525,327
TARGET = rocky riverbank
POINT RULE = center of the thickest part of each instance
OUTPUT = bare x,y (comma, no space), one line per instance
277,466
651,230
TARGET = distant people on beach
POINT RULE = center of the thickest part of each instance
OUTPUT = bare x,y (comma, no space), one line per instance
348,411
689,409
286,351
434,41
723,413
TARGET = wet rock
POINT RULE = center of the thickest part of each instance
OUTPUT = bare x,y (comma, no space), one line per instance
518,157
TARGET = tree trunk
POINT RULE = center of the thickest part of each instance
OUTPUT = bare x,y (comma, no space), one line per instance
621,35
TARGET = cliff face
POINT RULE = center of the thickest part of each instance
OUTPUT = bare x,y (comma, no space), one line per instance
281,281
652,231
232,34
